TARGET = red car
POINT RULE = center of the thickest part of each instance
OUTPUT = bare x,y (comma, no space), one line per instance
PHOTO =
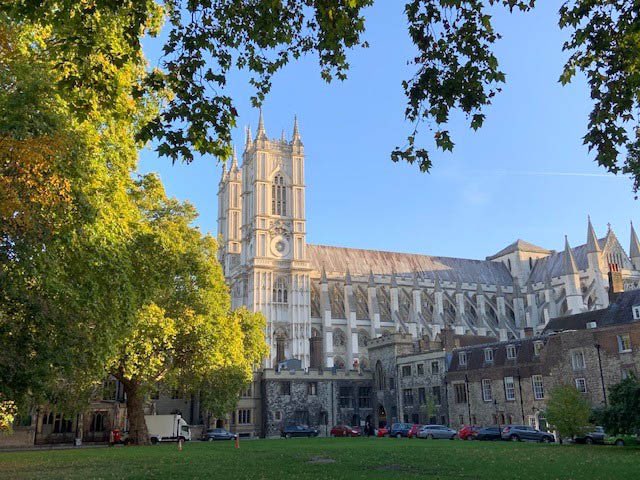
468,432
383,432
413,433
344,431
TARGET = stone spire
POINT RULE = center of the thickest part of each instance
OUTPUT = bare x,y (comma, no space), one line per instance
323,275
283,137
234,161
415,281
436,286
296,133
372,282
247,141
347,277
261,133
634,249
593,246
568,262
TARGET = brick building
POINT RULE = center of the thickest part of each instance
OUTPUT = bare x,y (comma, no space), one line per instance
509,382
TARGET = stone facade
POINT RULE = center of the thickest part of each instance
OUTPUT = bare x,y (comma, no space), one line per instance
324,305
318,398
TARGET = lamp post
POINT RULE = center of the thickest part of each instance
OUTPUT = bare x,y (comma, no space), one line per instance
604,390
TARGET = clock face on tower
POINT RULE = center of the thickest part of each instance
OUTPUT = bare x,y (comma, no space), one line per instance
280,246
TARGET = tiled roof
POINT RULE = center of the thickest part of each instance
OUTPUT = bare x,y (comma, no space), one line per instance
618,312
475,355
554,264
336,260
519,245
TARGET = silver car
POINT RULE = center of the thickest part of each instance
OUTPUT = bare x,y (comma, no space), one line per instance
437,431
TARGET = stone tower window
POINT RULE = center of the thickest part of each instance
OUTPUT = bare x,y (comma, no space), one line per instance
280,291
278,196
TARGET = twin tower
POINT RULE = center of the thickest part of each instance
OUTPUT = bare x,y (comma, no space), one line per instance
263,251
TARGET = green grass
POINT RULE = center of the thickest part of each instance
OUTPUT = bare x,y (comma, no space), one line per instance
329,458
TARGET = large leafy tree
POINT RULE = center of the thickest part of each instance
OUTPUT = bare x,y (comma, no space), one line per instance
455,65
184,333
65,218
623,412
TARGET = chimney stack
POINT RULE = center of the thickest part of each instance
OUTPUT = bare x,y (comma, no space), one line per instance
528,332
616,285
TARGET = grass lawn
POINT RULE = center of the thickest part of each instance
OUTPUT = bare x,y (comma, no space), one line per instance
329,458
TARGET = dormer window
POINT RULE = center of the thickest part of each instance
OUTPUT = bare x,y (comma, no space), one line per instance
537,348
636,312
488,355
278,196
462,359
511,352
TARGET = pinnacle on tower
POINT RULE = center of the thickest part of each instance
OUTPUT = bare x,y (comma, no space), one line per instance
372,282
234,161
296,133
593,246
347,277
261,133
323,275
568,261
283,137
247,141
634,250
394,283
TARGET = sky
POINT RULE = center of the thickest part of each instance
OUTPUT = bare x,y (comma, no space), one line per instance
525,174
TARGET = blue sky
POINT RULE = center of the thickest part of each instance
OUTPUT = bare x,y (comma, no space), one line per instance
508,180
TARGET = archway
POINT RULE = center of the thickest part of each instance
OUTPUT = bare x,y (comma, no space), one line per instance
219,423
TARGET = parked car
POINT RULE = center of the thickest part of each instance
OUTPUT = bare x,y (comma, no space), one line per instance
413,432
299,431
517,433
467,432
217,434
437,431
621,440
489,433
596,436
344,431
382,432
400,430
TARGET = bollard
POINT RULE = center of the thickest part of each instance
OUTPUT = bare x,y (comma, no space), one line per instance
180,443
237,441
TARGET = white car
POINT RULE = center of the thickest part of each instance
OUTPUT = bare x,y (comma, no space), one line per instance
437,431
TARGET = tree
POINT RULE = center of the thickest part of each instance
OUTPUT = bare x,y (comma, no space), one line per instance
184,333
568,411
455,67
622,416
65,220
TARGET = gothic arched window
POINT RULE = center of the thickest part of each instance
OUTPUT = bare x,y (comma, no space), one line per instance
380,383
280,291
278,196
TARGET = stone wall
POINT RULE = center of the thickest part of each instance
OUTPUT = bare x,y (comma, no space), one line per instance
313,397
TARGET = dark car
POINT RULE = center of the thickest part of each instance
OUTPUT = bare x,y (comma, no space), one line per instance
518,433
596,436
489,433
217,434
299,431
344,431
400,430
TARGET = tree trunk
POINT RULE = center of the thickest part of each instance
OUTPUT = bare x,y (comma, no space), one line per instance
138,433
